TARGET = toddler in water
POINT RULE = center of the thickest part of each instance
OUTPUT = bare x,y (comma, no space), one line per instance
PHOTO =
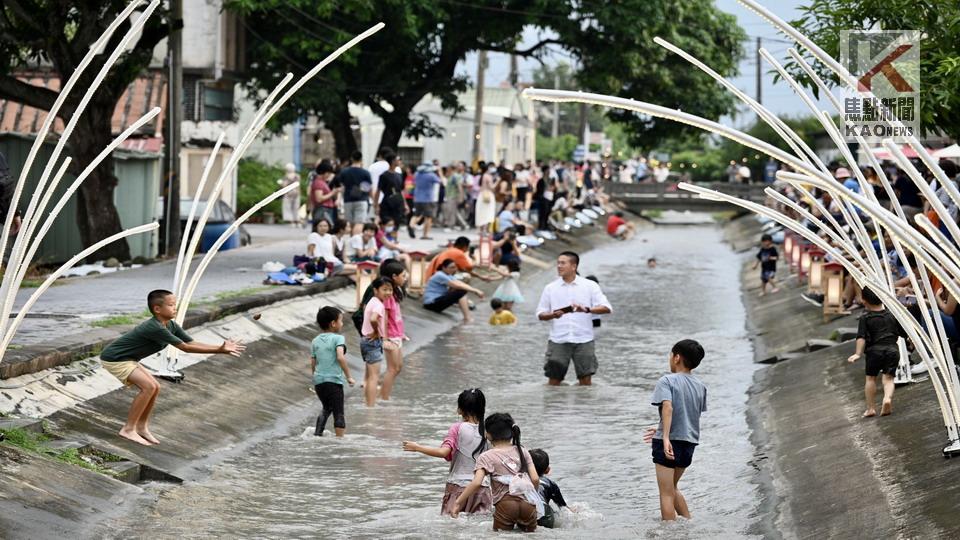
681,398
508,292
330,371
463,443
501,315
548,490
514,479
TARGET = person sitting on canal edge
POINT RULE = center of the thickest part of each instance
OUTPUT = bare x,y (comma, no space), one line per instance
681,398
767,260
328,362
548,490
122,358
443,291
501,315
877,335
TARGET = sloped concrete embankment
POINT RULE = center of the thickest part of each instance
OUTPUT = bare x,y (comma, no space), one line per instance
826,472
224,406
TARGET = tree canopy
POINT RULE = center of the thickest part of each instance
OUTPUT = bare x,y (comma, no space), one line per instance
417,53
58,34
939,20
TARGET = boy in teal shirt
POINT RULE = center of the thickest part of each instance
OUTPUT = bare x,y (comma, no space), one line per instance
122,358
330,370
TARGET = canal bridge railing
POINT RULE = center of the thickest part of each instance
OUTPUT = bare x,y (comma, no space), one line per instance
666,196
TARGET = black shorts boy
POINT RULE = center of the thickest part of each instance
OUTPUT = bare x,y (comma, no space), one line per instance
682,454
882,361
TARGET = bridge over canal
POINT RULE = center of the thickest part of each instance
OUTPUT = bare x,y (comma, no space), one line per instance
666,196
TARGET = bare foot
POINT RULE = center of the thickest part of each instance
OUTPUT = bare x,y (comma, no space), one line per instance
145,433
869,412
775,290
134,436
886,409
763,293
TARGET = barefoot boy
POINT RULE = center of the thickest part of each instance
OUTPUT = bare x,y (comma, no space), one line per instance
767,260
122,359
681,398
877,336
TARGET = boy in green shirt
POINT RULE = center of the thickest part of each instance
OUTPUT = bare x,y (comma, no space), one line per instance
122,359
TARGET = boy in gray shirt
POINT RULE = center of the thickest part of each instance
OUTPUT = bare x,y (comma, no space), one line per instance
681,398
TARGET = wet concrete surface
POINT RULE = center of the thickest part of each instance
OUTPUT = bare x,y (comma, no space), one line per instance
827,472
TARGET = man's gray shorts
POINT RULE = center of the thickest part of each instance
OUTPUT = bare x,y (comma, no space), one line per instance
355,212
559,355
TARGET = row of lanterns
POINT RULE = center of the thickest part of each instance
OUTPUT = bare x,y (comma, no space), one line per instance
823,277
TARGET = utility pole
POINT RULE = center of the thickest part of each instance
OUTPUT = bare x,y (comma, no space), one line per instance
478,106
555,130
173,118
759,79
514,75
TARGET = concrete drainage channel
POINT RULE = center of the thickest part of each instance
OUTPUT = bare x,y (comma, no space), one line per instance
33,436
840,335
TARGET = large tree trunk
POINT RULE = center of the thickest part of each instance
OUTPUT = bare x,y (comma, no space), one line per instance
97,217
337,120
392,131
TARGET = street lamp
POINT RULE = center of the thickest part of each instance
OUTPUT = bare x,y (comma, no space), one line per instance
366,273
418,270
833,289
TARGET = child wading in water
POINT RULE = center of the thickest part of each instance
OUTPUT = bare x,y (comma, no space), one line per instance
548,490
395,272
508,292
373,332
514,479
877,336
681,398
122,359
501,315
463,443
330,371
767,260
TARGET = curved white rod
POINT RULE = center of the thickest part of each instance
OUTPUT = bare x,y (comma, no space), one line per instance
184,239
184,303
19,243
62,202
948,405
8,336
784,131
51,117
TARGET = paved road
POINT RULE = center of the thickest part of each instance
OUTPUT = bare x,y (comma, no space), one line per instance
70,306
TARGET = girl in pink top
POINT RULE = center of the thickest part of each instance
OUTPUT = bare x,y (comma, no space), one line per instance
396,273
463,443
373,332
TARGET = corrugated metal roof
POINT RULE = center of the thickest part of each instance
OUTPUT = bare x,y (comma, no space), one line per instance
144,93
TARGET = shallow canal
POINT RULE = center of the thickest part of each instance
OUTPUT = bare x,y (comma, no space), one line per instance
365,486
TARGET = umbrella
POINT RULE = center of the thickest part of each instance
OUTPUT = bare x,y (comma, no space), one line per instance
908,151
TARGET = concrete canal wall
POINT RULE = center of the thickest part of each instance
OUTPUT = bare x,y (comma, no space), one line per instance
826,472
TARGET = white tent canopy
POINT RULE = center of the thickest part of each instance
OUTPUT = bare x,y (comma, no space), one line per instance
952,151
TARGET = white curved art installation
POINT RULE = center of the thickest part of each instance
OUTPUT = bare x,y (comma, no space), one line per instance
938,256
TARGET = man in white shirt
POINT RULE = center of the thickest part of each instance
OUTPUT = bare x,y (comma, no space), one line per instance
378,167
570,303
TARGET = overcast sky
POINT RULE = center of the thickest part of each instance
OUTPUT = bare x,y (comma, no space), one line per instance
777,97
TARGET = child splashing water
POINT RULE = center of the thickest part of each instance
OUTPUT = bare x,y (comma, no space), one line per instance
463,443
514,478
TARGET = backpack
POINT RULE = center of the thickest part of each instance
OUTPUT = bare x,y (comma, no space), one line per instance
357,315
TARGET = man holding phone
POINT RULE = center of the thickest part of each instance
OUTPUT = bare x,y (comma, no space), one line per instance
569,303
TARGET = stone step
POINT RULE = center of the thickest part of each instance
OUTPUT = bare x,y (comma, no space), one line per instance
65,444
846,334
28,424
817,344
127,471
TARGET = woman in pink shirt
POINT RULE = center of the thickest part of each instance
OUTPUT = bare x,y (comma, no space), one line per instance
396,273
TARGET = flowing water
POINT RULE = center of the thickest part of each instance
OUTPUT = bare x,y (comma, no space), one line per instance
365,486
